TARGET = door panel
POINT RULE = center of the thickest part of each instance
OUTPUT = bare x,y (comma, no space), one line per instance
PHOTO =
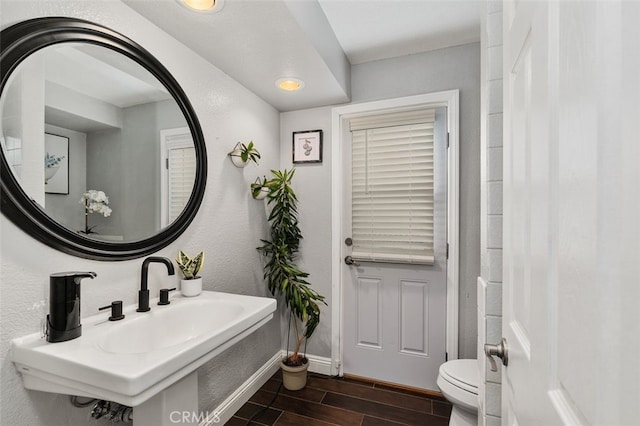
571,213
527,313
414,317
369,312
394,314
397,318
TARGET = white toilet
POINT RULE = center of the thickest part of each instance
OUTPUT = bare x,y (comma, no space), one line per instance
458,380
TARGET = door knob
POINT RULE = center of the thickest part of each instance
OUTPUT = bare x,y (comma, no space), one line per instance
500,350
349,261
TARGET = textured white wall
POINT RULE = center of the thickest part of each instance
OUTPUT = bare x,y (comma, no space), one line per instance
312,183
444,69
228,225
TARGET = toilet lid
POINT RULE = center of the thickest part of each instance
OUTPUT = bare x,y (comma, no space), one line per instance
462,373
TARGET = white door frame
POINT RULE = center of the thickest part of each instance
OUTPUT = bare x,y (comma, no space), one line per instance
340,115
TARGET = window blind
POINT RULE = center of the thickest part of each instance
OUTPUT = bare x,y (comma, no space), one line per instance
392,187
182,175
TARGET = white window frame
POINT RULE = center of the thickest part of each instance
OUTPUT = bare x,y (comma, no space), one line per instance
340,125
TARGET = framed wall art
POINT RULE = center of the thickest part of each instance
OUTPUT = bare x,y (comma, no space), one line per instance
307,146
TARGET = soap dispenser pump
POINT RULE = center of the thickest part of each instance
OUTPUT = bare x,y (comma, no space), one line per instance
63,321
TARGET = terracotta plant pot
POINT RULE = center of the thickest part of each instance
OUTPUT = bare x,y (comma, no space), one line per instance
294,378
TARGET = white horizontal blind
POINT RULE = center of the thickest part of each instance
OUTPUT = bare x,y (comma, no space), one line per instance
392,187
182,175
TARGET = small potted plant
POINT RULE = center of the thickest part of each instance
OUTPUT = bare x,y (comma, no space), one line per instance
94,202
191,285
242,154
285,279
260,189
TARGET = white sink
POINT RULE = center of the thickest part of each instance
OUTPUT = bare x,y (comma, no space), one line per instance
131,360
162,328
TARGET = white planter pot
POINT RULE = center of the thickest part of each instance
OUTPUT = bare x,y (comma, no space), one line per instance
236,159
294,378
262,194
190,288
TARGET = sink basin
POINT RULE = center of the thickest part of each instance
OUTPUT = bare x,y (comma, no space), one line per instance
131,360
163,328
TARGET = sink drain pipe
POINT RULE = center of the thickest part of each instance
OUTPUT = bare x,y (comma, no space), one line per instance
116,413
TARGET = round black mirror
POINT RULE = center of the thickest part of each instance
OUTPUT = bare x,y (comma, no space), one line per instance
102,154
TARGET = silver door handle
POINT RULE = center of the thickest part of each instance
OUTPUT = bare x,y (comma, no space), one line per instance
349,261
500,350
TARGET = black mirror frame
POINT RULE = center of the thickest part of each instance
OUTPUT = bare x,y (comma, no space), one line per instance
21,40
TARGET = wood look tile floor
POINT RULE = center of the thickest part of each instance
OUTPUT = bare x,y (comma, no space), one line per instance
333,401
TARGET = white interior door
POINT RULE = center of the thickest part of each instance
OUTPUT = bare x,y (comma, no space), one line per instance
571,216
395,314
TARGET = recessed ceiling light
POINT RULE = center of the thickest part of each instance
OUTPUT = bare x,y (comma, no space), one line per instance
208,6
290,84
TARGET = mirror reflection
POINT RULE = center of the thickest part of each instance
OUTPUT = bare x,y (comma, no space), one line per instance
97,141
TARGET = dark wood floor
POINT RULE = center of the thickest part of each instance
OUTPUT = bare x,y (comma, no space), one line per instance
333,401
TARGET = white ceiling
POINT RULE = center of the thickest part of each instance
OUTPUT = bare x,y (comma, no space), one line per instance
87,86
380,29
102,74
259,41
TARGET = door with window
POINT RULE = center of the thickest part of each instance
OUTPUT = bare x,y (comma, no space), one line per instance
178,160
394,275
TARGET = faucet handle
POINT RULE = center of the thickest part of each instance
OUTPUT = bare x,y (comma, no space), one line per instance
116,310
164,296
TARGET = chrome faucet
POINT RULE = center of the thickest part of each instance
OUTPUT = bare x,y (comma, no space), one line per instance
143,294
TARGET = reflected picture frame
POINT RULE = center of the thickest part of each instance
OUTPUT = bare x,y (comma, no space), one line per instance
307,146
56,164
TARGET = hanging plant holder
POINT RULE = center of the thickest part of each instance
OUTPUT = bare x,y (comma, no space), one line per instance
242,154
259,189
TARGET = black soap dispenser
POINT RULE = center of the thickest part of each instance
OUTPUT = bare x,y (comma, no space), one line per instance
63,321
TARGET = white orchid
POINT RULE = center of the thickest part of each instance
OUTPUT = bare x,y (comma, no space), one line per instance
96,202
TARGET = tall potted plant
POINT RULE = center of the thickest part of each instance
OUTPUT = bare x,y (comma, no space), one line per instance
285,279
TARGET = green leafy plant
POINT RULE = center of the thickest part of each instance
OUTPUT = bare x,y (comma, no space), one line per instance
190,267
246,152
283,277
257,186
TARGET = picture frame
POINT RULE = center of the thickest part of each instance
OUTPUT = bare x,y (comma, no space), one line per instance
56,164
307,146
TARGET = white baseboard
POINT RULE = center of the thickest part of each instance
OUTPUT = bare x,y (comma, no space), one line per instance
240,396
318,364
